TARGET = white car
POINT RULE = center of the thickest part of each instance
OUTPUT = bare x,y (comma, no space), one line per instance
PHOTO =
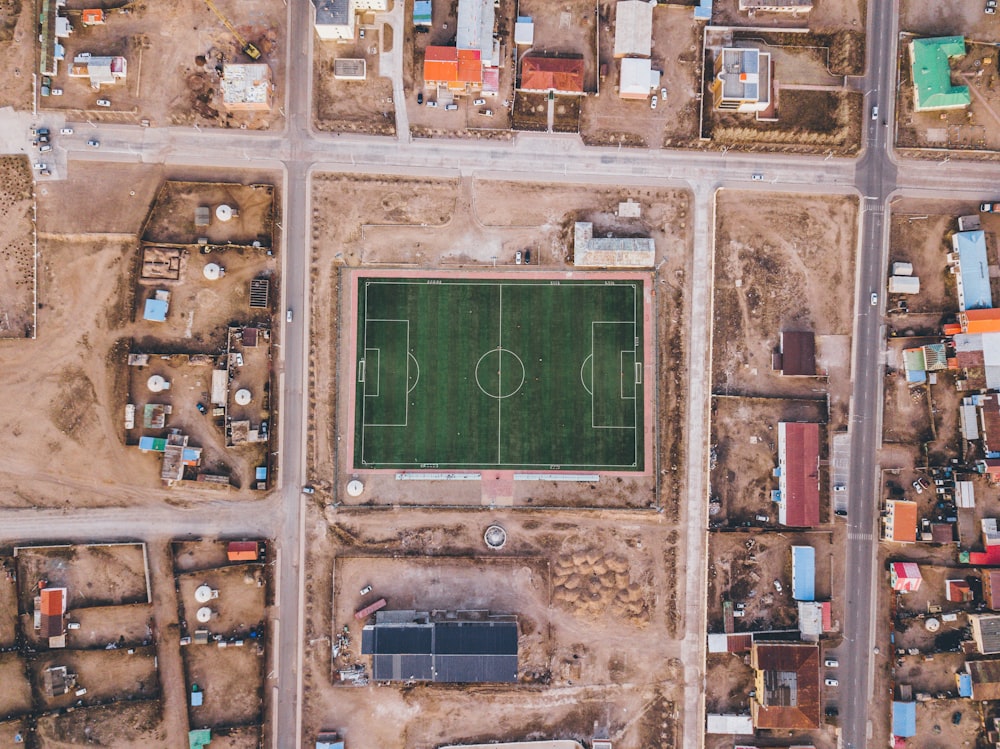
432,104
66,131
94,143
777,585
518,257
57,92
652,102
288,315
757,177
831,663
41,165
366,590
663,94
479,103
104,102
831,682
487,113
874,299
839,488
874,113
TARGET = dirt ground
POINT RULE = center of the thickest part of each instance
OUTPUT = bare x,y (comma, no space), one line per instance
104,624
17,58
9,729
576,661
676,52
744,439
808,243
99,575
232,679
179,84
240,604
826,16
958,130
17,267
352,106
743,570
71,449
107,675
172,214
124,725
936,729
193,556
728,682
567,29
8,602
469,224
921,234
15,697
240,737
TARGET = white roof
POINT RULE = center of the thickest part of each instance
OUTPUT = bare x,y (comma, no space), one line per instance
904,285
729,724
610,252
634,78
475,27
524,32
246,84
633,28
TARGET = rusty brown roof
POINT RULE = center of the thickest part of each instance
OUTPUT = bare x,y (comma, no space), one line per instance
798,353
789,674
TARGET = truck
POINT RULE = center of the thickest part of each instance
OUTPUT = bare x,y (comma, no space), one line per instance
367,611
989,207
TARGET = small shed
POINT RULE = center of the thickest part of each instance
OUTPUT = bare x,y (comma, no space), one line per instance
803,573
197,696
902,269
905,576
904,285
202,215
199,738
243,551
524,31
155,310
904,719
422,13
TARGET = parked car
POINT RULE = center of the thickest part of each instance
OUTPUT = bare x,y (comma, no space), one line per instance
831,682
361,34
57,92
72,625
663,94
479,102
777,585
839,488
201,408
831,663
366,590
652,102
45,173
527,257
432,104
104,102
66,131
94,143
761,518
518,257
840,513
487,113
41,165
757,177
288,315
956,717
308,490
917,487
45,147
451,107
420,97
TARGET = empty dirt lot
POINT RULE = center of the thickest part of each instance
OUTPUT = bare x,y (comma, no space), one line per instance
782,262
17,266
470,224
232,680
99,575
576,652
107,675
352,106
15,697
240,604
129,725
8,601
745,442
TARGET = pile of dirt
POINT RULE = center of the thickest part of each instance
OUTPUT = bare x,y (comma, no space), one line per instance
591,583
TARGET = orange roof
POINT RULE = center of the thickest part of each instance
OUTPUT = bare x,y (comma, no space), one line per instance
450,65
904,520
981,321
242,551
93,15
552,73
53,601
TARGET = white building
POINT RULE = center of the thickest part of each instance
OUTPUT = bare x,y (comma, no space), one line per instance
101,70
335,19
634,28
476,21
637,78
610,252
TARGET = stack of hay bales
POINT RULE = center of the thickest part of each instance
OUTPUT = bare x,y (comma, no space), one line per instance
592,583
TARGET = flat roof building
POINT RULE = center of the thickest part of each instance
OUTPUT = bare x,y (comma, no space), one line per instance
457,647
776,6
797,353
610,252
459,70
102,71
246,88
930,64
900,521
335,19
803,573
476,20
798,474
742,80
637,79
984,676
986,634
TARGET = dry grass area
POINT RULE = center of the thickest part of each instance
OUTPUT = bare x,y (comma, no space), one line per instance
17,264
807,243
352,106
936,727
921,234
8,602
192,556
232,679
577,661
174,52
744,440
729,681
125,725
15,697
17,58
98,575
172,213
107,675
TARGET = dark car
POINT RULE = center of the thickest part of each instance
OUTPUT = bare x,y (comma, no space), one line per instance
956,717
841,513
201,408
527,257
420,97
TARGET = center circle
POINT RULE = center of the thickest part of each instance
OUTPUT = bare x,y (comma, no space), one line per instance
499,373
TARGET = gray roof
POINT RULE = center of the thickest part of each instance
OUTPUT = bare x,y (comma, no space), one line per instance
456,652
335,12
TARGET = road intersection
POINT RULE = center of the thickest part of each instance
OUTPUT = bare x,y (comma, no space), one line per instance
299,151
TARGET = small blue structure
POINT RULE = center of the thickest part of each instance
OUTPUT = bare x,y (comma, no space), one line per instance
260,473
156,310
803,573
703,11
904,719
965,685
422,13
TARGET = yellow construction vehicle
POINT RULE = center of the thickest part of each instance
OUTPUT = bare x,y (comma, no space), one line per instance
248,49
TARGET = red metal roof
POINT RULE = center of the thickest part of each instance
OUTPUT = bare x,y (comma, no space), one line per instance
801,445
53,607
242,551
552,73
452,65
980,320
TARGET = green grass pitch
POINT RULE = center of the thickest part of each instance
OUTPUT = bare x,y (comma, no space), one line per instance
471,374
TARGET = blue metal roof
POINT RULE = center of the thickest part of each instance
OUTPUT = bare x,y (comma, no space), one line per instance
974,267
803,573
156,310
965,685
904,719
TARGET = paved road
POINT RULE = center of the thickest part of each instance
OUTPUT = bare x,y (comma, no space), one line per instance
299,150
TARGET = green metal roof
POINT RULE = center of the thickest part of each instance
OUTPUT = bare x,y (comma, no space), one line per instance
199,738
932,87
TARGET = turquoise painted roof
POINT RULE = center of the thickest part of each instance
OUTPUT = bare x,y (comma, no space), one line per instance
929,61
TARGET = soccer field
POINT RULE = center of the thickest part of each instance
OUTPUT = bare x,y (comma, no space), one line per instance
489,374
